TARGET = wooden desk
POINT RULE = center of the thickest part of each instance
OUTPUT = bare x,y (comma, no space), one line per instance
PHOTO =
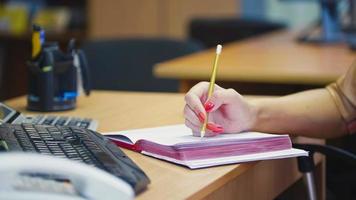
273,59
123,110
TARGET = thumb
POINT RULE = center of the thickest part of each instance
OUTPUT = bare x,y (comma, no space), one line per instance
219,98
215,101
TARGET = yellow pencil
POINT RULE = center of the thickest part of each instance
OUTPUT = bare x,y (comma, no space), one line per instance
211,86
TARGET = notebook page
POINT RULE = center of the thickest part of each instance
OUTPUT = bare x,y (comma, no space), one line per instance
195,164
178,134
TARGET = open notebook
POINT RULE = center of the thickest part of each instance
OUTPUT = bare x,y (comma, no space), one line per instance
176,144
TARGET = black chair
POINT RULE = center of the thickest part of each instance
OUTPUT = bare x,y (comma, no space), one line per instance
212,31
344,178
127,64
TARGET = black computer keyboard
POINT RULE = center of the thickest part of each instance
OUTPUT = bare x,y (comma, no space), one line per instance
61,121
75,143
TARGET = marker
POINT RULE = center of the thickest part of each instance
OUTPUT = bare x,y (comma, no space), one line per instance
211,85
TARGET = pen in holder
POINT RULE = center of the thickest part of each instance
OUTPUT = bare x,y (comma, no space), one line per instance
53,78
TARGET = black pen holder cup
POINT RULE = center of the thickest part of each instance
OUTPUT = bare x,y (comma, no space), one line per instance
52,82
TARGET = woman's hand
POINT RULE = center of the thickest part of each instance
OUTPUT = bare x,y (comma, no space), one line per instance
228,111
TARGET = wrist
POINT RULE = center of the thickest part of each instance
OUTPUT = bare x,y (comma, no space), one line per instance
254,112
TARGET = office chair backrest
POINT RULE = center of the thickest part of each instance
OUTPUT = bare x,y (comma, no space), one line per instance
127,64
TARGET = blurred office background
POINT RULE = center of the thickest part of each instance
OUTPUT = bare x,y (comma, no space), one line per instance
120,19
175,23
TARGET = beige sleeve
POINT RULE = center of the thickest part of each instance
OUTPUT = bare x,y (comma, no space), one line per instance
343,92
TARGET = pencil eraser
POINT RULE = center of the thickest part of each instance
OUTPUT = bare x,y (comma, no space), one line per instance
218,49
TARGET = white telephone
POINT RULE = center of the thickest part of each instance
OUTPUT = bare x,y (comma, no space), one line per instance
18,180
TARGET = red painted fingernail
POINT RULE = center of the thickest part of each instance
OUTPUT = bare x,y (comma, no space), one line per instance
219,130
201,117
215,128
208,106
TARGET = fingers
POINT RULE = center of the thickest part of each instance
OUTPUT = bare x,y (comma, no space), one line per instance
210,134
212,129
196,117
216,128
215,101
195,128
219,98
198,94
195,121
195,112
199,89
194,103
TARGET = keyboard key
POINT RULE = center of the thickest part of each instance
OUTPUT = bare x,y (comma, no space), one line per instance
61,121
49,120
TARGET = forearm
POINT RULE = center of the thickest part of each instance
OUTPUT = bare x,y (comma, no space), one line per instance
311,113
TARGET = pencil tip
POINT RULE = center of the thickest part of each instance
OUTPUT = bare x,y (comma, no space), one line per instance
202,133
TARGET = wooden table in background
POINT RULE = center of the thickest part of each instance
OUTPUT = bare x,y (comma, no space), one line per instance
273,59
127,110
